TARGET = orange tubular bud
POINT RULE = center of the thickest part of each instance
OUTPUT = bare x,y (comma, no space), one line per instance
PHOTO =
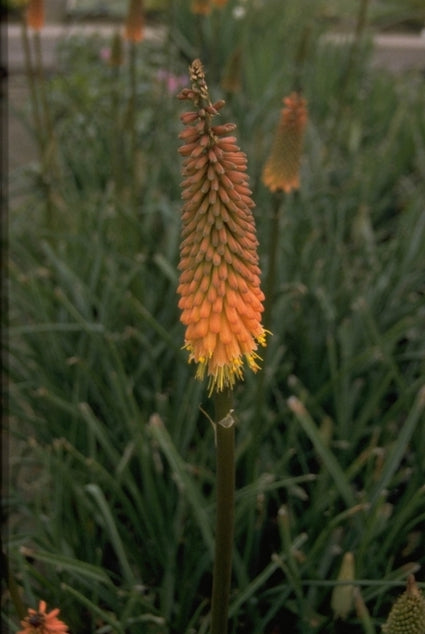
219,286
135,22
282,169
35,14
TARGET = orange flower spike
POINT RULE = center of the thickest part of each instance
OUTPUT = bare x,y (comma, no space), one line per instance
35,14
201,7
42,622
135,22
282,169
219,286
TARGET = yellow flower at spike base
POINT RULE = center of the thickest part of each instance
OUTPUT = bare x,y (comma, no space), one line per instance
220,294
42,622
282,169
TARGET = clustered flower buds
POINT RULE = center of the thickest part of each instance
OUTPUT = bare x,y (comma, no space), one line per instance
135,22
220,295
282,169
35,14
204,7
407,615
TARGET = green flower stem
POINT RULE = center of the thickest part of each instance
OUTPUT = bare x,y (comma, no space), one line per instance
30,74
225,452
132,120
272,260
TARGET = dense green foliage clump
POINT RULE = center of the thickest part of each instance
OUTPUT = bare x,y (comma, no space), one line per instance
111,495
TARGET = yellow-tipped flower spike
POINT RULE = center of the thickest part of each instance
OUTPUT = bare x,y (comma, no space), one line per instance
135,22
282,169
34,14
220,294
407,615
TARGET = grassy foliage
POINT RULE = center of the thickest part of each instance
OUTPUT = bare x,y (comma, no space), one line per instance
111,475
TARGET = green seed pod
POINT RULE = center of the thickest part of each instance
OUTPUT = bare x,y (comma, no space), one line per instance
407,615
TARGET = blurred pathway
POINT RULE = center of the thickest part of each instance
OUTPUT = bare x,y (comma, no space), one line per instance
391,51
397,53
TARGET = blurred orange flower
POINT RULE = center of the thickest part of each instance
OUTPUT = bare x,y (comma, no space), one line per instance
34,14
282,169
201,7
220,295
42,622
135,21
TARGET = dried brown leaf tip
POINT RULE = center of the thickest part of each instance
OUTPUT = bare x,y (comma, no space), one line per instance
220,294
282,169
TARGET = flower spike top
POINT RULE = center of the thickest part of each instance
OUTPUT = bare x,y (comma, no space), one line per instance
282,169
35,14
220,295
42,622
135,22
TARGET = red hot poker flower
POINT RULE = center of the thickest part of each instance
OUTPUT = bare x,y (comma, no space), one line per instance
220,295
42,622
282,169
135,21
201,7
35,14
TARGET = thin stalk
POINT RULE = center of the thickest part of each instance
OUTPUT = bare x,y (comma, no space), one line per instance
50,168
269,286
30,74
270,282
132,121
225,458
116,131
350,66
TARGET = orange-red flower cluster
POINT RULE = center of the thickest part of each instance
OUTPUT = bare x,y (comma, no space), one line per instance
282,169
35,14
135,22
42,622
221,299
204,7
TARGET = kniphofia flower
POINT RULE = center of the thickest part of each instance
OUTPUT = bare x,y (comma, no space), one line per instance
34,14
220,294
201,7
42,622
135,21
282,169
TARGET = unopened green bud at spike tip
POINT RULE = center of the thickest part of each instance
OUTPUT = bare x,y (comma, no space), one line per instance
407,615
